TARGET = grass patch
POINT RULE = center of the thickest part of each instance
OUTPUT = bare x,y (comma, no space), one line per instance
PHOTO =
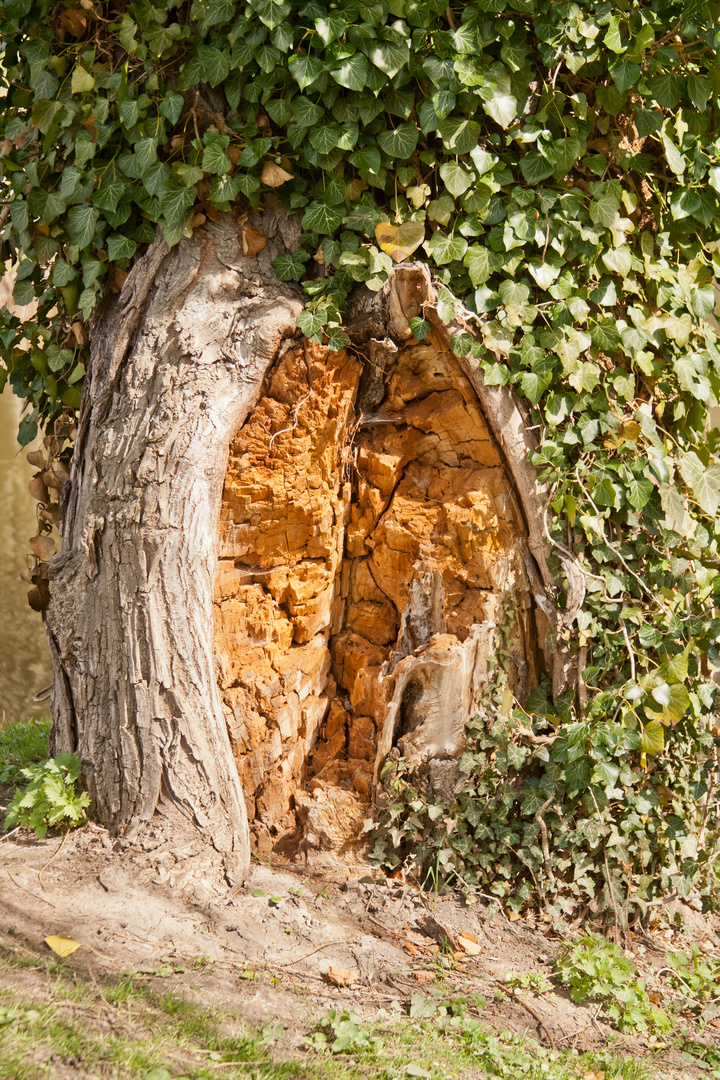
120,1027
22,743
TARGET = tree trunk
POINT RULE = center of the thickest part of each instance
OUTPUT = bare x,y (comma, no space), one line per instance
178,360
280,564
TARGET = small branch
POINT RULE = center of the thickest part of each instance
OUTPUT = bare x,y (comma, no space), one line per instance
535,1015
631,654
538,740
543,829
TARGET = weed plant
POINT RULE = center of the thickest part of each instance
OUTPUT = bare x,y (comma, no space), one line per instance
50,798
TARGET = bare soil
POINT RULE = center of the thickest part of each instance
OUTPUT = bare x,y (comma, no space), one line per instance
263,951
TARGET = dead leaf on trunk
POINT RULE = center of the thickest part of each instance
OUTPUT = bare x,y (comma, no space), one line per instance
42,546
38,490
339,976
273,175
253,241
36,458
73,22
79,333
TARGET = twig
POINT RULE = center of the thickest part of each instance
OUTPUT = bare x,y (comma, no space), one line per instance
536,1015
294,424
543,829
57,852
23,889
8,835
631,654
342,941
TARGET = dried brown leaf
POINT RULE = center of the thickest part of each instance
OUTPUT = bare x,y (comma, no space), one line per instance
253,241
273,175
339,976
42,546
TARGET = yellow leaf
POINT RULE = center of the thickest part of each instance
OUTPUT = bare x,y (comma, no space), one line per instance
399,241
507,701
63,946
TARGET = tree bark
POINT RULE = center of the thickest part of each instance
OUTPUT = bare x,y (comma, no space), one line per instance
178,360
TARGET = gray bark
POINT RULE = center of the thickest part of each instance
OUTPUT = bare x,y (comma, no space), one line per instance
178,360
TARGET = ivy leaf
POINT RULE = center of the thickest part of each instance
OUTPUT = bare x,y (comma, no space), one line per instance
534,385
459,136
81,222
445,249
352,73
502,106
481,263
214,64
446,305
290,266
311,326
389,57
637,492
699,91
625,74
399,142
456,178
673,710
171,106
305,69
419,327
120,247
81,81
652,740
675,159
535,168
215,159
618,260
325,137
706,489
322,219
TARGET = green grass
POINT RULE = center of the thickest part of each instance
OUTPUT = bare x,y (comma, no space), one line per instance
120,1027
22,743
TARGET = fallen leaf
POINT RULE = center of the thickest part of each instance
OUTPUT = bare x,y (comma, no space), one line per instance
423,976
273,175
399,241
469,944
512,916
63,946
341,976
412,949
253,241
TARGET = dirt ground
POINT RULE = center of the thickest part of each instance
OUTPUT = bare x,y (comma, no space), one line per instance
263,951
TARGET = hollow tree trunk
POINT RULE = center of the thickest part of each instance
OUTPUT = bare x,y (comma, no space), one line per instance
280,564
